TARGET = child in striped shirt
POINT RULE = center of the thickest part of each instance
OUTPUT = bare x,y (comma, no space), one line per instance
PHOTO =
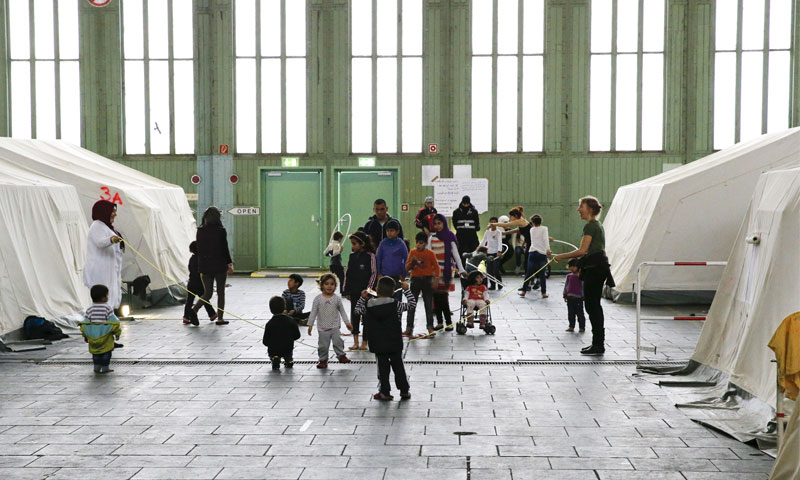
325,311
99,328
295,299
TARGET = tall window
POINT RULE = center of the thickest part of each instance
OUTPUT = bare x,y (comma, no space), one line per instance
507,76
159,82
45,78
752,72
386,87
626,109
270,76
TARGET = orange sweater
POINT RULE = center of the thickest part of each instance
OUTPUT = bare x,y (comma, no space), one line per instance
426,264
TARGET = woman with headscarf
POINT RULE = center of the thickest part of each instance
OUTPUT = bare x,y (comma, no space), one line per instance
467,224
104,253
214,262
445,246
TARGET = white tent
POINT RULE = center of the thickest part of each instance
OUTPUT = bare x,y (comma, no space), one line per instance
153,215
42,248
758,289
690,213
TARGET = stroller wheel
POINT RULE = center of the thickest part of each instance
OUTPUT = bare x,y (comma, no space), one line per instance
490,329
461,329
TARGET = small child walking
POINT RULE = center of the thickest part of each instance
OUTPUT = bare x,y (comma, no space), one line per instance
476,296
295,299
334,250
573,295
382,316
360,275
423,267
195,287
279,334
328,308
99,328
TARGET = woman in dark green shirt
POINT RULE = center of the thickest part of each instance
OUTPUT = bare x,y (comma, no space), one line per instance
594,270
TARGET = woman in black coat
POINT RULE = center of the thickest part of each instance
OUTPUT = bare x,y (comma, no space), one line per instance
214,260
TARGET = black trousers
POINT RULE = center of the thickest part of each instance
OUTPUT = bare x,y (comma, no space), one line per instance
195,287
575,310
441,306
592,292
493,269
422,285
338,270
208,291
355,319
287,358
102,359
395,362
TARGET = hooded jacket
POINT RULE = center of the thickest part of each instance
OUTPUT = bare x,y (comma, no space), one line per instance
391,257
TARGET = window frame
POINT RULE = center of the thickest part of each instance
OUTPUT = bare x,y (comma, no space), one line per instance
640,52
373,57
520,57
170,60
738,50
259,58
32,60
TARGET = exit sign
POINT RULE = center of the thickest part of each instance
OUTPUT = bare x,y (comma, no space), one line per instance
366,161
290,161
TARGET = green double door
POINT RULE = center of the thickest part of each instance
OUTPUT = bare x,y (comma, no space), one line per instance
357,191
293,206
292,218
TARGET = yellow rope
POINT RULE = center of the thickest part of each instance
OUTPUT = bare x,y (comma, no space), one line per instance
179,284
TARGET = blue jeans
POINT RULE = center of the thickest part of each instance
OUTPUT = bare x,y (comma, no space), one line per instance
536,261
102,359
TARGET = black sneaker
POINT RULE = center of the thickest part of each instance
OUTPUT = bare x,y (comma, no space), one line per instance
118,345
594,351
289,364
589,347
276,363
449,327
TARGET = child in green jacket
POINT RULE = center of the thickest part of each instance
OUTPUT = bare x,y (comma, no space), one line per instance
99,328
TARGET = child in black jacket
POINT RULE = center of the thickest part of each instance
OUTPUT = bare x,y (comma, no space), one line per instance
382,317
195,286
360,275
279,334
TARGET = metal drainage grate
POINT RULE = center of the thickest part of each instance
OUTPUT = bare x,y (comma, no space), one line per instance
521,362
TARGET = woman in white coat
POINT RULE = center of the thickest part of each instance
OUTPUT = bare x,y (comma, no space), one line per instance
104,253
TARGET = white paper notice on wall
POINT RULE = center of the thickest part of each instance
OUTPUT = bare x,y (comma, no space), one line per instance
430,173
462,171
447,193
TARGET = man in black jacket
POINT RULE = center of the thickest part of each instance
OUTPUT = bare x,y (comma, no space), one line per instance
467,223
376,225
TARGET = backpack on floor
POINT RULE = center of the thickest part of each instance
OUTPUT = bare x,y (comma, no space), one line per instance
39,328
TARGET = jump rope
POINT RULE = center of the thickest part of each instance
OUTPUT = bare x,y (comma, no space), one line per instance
237,317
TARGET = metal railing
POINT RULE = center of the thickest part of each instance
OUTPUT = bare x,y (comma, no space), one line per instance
638,292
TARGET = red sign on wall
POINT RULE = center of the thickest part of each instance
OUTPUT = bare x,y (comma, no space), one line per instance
433,148
223,149
403,207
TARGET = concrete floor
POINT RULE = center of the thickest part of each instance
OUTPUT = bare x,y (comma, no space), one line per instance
188,402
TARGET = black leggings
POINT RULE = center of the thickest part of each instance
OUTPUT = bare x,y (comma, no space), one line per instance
195,287
441,306
208,286
592,292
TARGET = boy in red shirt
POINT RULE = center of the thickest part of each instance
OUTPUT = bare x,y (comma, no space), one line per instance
423,267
